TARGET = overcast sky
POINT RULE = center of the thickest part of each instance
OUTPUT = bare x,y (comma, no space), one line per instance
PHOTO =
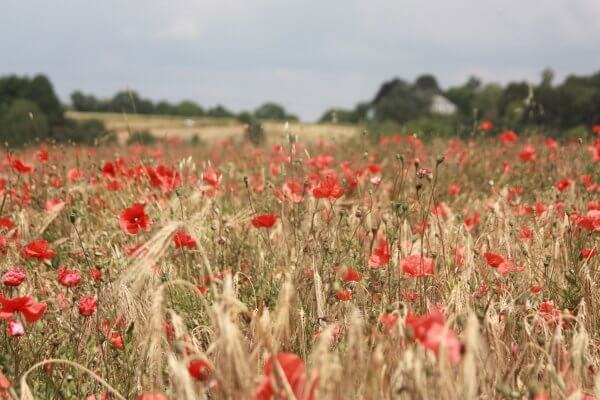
307,55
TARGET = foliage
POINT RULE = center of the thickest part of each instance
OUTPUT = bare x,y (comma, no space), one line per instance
354,116
273,111
90,132
131,102
30,111
21,123
219,111
519,105
142,137
38,90
253,129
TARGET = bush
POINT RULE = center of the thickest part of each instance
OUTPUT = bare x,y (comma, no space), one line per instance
22,122
425,127
273,111
90,132
254,131
142,137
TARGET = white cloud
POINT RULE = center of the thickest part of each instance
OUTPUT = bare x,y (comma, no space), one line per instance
306,54
181,29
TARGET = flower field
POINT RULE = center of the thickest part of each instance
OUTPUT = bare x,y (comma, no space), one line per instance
450,269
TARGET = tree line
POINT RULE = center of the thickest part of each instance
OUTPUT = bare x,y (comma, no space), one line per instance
30,110
130,101
571,104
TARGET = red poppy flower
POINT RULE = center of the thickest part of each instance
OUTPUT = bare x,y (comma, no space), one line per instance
416,266
42,155
498,262
553,315
13,277
109,170
471,221
75,175
15,328
164,178
328,188
486,126
69,278
563,184
116,339
55,205
294,372
493,260
587,253
152,396
95,274
293,190
344,295
596,129
454,189
381,254
4,382
211,176
508,137
528,153
388,320
87,305
590,221
351,275
481,291
459,256
200,369
525,233
6,223
134,219
551,144
264,221
432,333
38,249
19,165
535,289
25,305
184,239
411,295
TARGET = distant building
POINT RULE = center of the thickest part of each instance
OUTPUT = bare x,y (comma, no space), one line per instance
442,106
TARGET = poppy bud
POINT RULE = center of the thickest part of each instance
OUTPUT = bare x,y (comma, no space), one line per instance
72,217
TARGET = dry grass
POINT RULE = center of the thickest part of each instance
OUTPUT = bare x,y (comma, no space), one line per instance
209,129
242,294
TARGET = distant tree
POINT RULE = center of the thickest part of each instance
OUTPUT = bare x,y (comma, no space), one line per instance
427,82
274,111
165,108
486,101
188,108
39,90
398,101
219,111
85,102
358,114
129,101
30,109
22,122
